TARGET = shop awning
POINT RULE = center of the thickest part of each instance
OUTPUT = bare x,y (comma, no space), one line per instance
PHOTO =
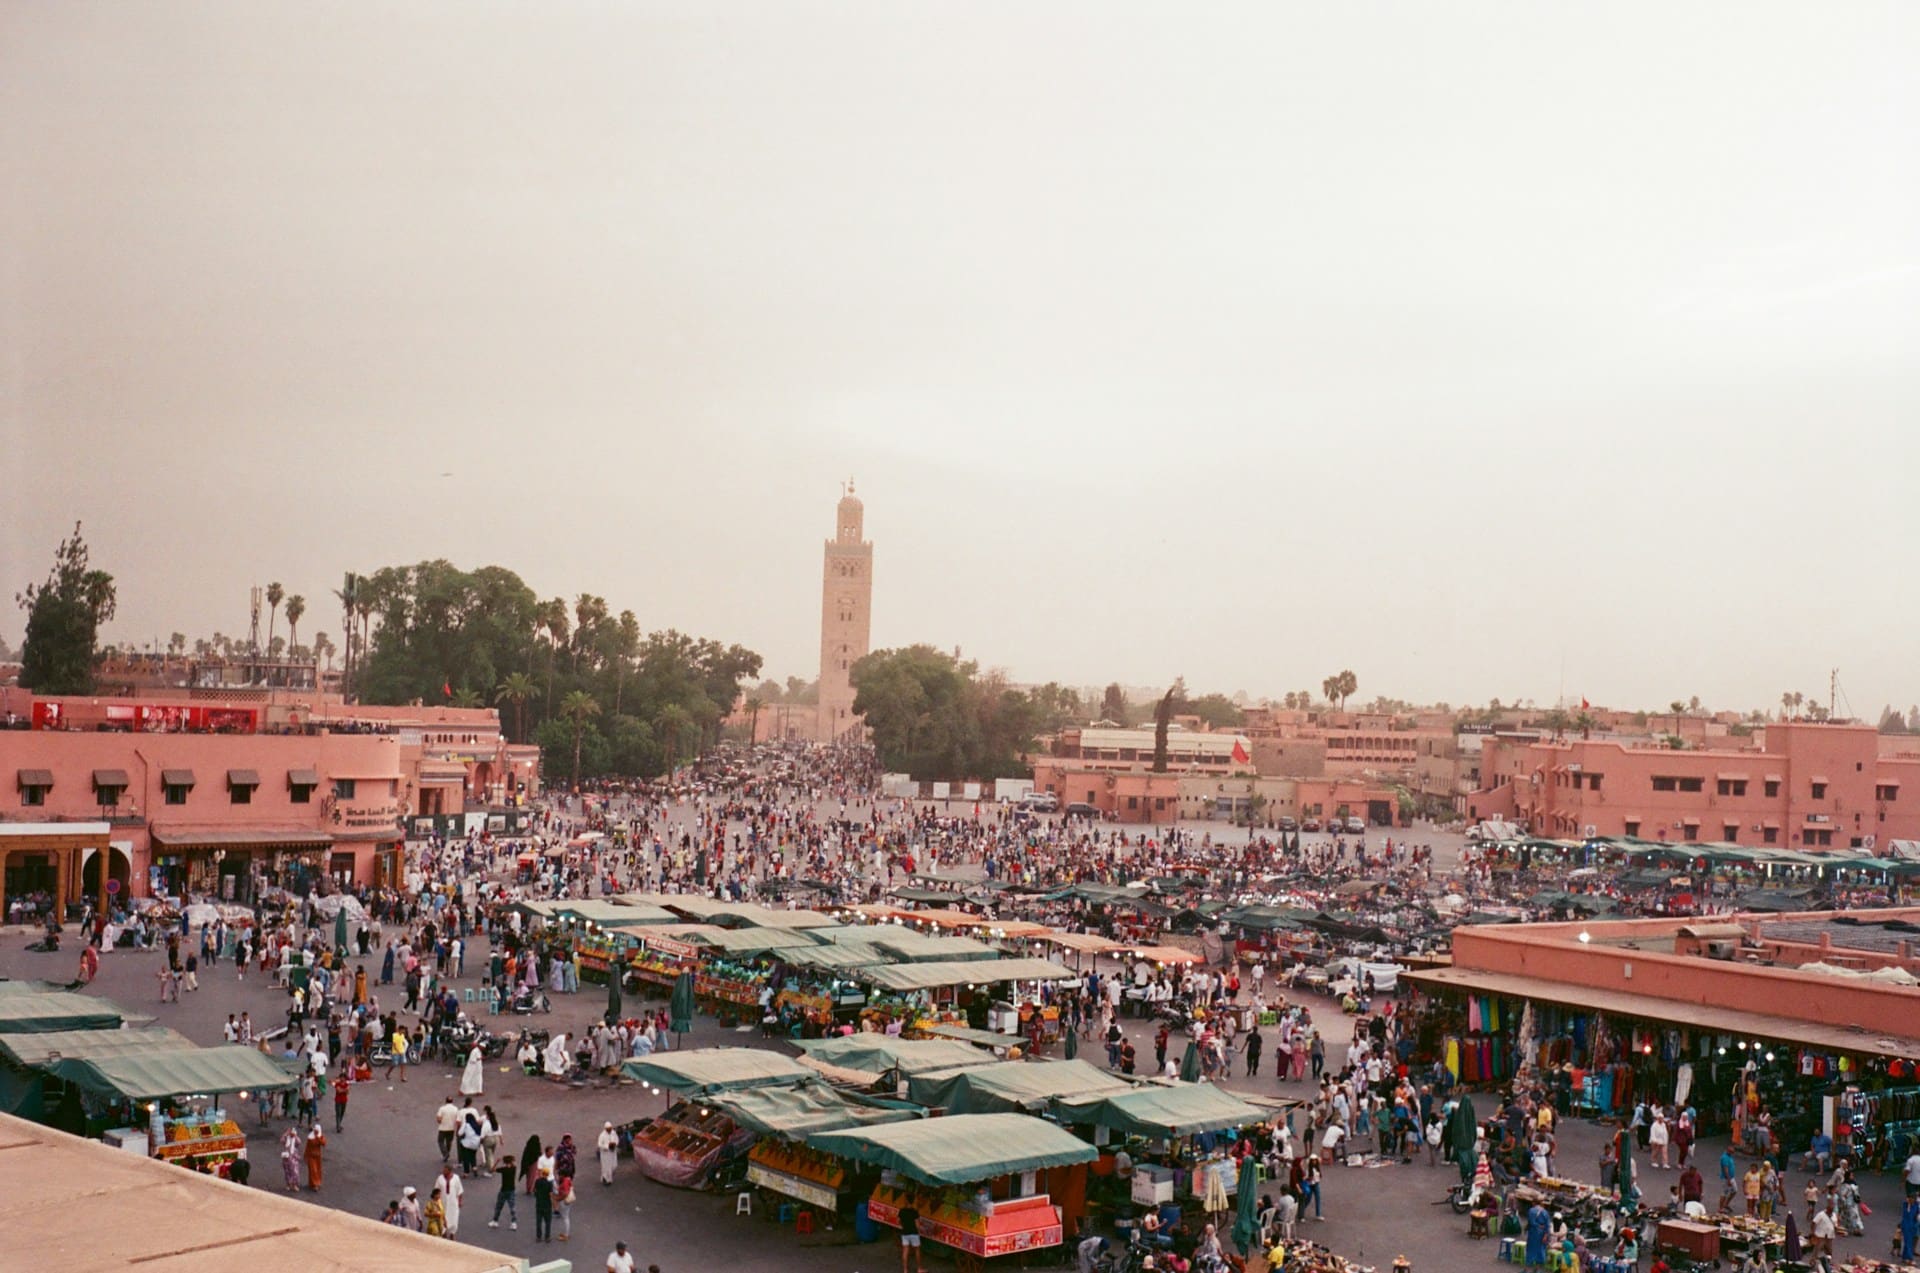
961,1150
1085,943
303,777
1011,1085
152,1076
109,777
1163,954
38,1013
971,972
243,777
84,1045
754,941
919,948
177,777
878,1053
716,1069
797,1112
239,837
979,1038
1705,1017
613,914
35,778
1186,1109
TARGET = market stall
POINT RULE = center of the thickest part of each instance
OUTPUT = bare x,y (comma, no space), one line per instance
165,1099
986,1185
1011,1086
683,1145
879,1054
39,1012
27,1089
780,1161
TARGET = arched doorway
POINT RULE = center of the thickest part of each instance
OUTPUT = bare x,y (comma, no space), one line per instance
119,867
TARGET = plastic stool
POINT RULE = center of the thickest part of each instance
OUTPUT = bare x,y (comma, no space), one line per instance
1506,1250
803,1223
467,996
786,1212
743,1204
1478,1226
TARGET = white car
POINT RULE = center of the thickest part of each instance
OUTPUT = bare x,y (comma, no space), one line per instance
1040,802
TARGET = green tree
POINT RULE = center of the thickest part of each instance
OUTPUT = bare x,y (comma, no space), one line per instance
674,723
1113,704
577,709
323,650
1162,722
296,610
466,697
517,689
274,593
1556,720
754,706
934,716
1218,711
64,615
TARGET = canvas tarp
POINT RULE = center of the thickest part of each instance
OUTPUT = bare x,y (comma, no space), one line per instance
38,1049
981,1038
878,1053
36,1014
836,958
797,1112
971,972
716,1069
611,915
1185,1109
755,941
1010,1085
961,1150
150,1076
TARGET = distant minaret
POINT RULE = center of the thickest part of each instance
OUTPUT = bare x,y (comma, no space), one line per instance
846,615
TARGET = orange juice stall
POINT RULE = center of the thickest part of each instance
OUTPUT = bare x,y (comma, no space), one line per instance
987,1185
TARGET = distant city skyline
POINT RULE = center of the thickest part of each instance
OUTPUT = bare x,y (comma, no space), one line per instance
1484,350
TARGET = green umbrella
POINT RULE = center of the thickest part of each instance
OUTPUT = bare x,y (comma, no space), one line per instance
1073,1044
1246,1225
1190,1063
681,1009
613,991
340,928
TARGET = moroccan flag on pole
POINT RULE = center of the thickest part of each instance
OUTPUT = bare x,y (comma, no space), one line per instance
446,687
1584,704
1240,753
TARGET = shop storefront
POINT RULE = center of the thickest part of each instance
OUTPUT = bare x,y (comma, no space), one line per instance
235,865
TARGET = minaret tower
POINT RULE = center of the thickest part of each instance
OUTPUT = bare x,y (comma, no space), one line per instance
846,615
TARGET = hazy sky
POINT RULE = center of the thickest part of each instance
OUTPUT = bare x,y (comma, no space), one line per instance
1453,343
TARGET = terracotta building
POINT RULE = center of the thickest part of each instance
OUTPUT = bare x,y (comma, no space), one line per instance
1805,786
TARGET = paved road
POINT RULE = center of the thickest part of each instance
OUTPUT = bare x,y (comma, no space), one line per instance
1372,1214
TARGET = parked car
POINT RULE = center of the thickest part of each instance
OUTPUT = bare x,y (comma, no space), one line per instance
1289,824
1311,824
1081,809
1040,801
1356,827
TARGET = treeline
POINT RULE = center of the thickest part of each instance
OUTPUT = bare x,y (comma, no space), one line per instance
938,718
595,692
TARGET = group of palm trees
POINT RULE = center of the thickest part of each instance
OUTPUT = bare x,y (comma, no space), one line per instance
673,723
220,645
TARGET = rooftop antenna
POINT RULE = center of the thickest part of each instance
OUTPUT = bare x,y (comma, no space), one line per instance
253,632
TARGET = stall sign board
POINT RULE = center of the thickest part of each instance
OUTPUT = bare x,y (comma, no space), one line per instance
807,1191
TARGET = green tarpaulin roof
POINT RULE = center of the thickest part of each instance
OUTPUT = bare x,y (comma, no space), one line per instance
1010,1085
36,1014
150,1076
960,1150
878,1053
985,1038
717,1069
614,915
36,1049
837,958
1182,1110
970,972
797,1112
755,941
919,948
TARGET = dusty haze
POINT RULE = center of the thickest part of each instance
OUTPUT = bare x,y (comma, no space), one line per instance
1451,343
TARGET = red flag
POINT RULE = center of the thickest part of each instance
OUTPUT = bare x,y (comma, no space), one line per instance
1584,704
446,687
1240,756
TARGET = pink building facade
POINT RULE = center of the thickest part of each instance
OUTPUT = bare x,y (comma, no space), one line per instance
1806,786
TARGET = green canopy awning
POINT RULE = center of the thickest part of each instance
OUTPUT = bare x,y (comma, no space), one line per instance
36,1014
967,972
755,941
717,1069
980,1038
797,1112
37,1049
152,1076
1183,1110
878,1053
919,948
960,1150
837,958
1010,1085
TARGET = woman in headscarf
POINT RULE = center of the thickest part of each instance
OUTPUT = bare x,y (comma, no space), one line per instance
529,1155
566,1159
290,1151
316,1147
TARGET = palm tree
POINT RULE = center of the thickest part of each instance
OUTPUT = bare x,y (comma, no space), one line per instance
349,596
577,709
553,617
673,723
754,706
296,610
517,689
274,593
323,649
176,645
1584,723
1678,709
464,697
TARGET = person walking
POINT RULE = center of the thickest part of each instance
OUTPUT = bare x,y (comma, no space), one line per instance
434,1215
508,1173
563,1206
609,1146
290,1150
340,1086
473,1079
446,1123
316,1154
529,1163
451,1189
